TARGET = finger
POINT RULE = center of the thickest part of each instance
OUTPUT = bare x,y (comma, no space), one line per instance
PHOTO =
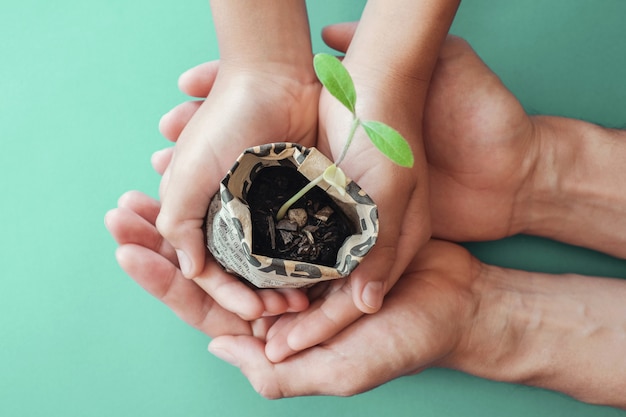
145,206
189,183
173,122
247,354
161,159
261,326
165,179
404,228
250,304
324,319
265,377
349,365
339,36
163,280
127,227
184,230
297,299
198,81
230,292
277,302
133,222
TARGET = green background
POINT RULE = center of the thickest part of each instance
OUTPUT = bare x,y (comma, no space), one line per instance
82,87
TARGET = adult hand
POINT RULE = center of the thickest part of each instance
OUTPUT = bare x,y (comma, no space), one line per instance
482,149
151,261
421,321
424,319
448,310
143,254
496,171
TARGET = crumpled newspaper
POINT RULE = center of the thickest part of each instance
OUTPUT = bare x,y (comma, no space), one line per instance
229,225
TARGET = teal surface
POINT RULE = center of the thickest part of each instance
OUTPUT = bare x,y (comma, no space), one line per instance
82,87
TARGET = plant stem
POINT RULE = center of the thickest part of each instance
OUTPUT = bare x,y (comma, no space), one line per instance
283,209
355,124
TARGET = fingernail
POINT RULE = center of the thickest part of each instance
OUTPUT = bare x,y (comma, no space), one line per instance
373,294
183,262
224,355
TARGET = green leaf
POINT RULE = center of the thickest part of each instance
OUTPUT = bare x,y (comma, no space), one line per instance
335,77
390,142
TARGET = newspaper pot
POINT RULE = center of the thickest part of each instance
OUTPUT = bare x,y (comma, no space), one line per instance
233,235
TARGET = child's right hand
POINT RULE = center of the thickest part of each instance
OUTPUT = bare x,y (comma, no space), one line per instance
243,109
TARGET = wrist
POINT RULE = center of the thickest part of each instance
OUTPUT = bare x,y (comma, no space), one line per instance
490,344
560,332
271,36
419,31
576,192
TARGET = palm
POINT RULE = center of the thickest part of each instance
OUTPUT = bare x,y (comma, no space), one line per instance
401,199
420,322
274,109
478,142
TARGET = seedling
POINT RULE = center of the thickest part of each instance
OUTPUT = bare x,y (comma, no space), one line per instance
337,80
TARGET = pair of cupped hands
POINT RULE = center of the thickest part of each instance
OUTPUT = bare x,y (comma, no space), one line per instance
474,148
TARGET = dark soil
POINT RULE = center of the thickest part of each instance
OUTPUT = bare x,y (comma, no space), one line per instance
323,226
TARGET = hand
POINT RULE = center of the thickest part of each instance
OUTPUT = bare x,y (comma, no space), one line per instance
481,145
424,318
151,261
481,148
402,208
448,310
420,321
465,204
400,193
265,91
248,110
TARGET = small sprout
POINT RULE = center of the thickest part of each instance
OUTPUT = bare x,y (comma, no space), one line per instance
334,176
390,142
337,80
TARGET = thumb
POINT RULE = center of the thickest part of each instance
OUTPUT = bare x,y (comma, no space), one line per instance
339,36
373,278
190,181
247,353
404,227
181,220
